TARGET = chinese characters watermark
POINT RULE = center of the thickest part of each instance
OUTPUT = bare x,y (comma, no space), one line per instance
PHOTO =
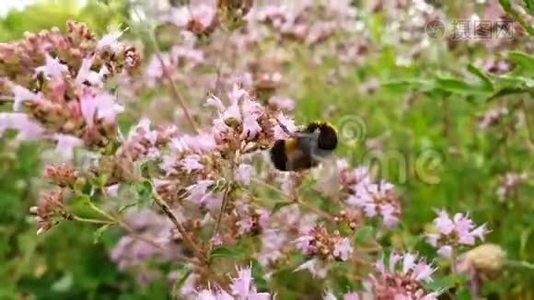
471,29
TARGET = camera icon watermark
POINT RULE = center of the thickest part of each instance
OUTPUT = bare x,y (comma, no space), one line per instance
471,29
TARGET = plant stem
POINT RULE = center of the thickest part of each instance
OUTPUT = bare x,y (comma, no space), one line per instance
111,220
507,6
174,89
187,239
94,221
305,205
520,264
453,261
221,213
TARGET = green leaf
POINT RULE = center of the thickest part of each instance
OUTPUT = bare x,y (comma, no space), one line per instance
63,284
463,294
507,6
144,193
184,272
529,5
97,235
507,91
363,234
410,83
126,206
225,252
457,86
521,58
447,282
279,205
481,75
257,273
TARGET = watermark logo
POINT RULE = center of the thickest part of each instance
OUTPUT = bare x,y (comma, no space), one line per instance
435,29
352,129
397,165
471,29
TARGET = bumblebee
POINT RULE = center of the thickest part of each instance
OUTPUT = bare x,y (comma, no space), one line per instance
305,148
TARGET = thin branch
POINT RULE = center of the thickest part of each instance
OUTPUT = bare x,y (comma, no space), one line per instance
116,221
221,213
187,239
520,264
93,221
174,89
305,205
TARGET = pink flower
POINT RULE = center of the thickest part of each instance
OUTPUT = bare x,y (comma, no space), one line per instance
143,129
191,163
52,69
198,192
217,240
232,113
401,281
206,295
27,129
445,251
315,267
282,103
85,74
109,41
374,198
353,296
329,296
455,232
21,94
389,215
201,143
244,173
155,67
343,249
272,242
66,144
279,132
236,94
251,128
244,225
242,286
215,102
99,106
303,243
443,223
202,13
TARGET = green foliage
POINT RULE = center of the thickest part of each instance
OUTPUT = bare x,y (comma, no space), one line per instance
54,13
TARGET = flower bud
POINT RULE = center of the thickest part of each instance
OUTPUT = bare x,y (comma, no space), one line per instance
486,260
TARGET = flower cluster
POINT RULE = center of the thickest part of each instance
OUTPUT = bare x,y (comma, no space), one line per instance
454,232
329,246
50,211
509,183
400,278
62,175
374,198
56,84
241,287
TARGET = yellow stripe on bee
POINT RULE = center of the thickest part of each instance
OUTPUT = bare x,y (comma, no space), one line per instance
290,145
324,123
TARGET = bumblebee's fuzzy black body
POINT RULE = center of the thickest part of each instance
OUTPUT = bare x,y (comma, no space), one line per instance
304,149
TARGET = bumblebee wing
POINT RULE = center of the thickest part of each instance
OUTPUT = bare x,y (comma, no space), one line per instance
302,155
300,160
